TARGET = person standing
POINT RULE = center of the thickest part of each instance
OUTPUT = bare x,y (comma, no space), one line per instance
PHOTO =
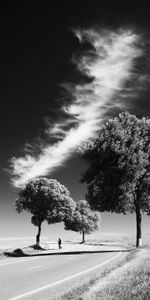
59,244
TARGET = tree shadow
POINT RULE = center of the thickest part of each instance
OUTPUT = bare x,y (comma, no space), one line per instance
35,247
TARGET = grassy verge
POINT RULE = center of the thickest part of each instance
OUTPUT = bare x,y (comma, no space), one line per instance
126,279
84,285
131,281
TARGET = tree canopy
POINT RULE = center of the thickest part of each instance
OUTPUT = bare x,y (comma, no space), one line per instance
83,220
45,199
118,169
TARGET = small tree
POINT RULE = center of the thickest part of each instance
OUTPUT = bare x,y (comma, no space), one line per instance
118,170
83,220
42,197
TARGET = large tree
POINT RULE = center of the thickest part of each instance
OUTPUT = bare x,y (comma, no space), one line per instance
84,220
118,169
46,200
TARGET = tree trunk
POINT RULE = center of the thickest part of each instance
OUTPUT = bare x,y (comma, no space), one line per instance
83,240
38,236
138,226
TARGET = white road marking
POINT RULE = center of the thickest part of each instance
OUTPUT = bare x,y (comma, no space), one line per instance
63,280
36,267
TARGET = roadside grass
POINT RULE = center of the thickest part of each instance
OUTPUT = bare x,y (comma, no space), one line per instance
131,281
128,279
84,284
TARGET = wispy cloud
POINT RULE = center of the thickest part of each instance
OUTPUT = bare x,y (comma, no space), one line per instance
109,63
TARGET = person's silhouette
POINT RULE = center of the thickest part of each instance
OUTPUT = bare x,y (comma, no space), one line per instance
59,243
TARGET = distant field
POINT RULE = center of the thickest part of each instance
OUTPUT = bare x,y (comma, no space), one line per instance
122,240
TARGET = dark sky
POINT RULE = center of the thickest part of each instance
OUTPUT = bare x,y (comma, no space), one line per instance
36,48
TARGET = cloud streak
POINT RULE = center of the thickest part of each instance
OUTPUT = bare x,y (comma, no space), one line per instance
109,64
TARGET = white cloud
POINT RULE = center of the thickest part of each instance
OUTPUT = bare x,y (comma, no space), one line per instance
109,64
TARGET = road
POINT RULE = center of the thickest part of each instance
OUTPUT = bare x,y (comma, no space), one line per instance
22,278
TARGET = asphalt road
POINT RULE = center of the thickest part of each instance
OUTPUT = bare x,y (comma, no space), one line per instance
21,278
